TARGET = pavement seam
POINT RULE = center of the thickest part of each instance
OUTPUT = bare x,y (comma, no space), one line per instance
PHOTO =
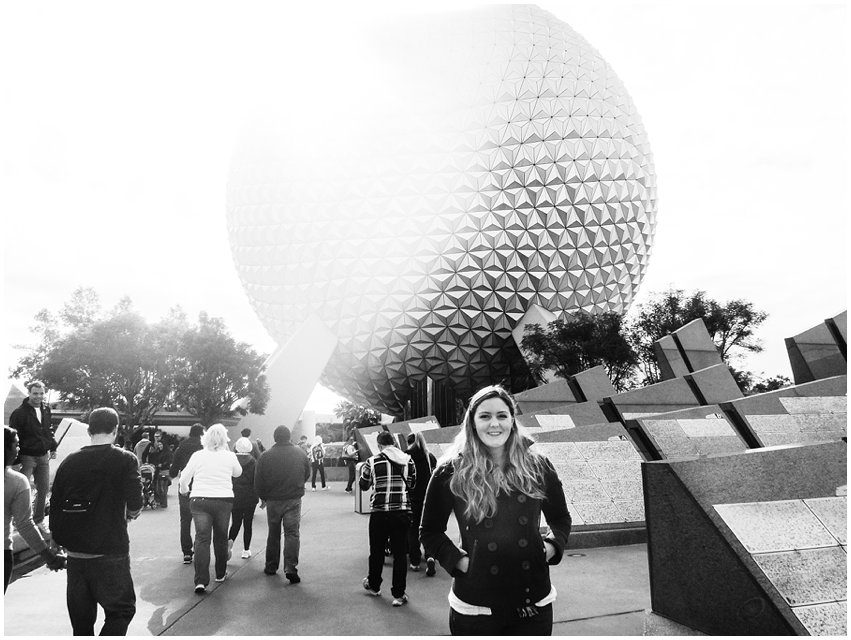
605,615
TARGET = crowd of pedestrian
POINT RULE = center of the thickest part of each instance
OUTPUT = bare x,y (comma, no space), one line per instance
494,482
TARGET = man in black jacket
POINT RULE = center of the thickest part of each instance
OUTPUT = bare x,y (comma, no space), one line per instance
96,491
181,456
35,434
279,480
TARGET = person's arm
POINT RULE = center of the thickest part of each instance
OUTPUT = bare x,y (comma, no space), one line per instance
554,507
365,480
436,509
236,468
306,463
187,474
259,486
22,515
412,474
133,490
174,469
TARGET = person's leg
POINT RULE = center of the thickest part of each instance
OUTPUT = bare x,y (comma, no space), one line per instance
113,587
274,515
399,525
41,474
185,525
414,551
350,483
8,565
313,469
377,538
537,625
247,526
235,522
82,606
292,535
220,510
322,473
203,534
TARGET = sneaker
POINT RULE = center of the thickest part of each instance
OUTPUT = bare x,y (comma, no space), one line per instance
398,602
348,490
187,558
325,488
415,567
430,568
292,577
200,588
269,572
313,489
230,548
246,554
223,578
370,590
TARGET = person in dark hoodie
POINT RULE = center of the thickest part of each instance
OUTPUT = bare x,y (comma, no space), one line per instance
181,456
244,497
279,480
38,446
392,474
425,463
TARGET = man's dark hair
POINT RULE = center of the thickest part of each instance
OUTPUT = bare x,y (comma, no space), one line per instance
282,434
35,383
196,430
245,432
385,438
103,420
9,437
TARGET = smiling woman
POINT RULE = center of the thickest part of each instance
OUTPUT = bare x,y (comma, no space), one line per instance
497,486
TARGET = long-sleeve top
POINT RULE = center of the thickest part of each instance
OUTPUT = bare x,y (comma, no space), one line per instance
35,436
243,486
17,507
507,557
107,478
182,454
210,473
392,474
281,472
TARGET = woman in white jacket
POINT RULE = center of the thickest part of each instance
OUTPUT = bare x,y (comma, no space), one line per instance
207,479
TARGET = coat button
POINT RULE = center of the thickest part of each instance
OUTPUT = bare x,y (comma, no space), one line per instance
525,565
494,570
488,523
526,589
522,543
492,546
523,520
528,601
521,498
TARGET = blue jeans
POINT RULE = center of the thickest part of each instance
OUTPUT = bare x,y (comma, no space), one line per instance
211,517
502,623
39,468
185,524
288,513
103,581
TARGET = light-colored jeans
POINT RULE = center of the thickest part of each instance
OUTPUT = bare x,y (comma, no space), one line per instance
288,514
38,468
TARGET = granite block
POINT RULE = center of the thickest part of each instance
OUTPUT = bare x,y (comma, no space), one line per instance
829,619
814,355
547,395
773,424
697,346
599,512
809,576
782,525
620,450
630,510
616,469
594,383
573,470
769,403
692,437
582,413
552,421
436,448
833,514
840,321
559,452
592,450
668,395
815,404
669,358
624,490
715,384
582,490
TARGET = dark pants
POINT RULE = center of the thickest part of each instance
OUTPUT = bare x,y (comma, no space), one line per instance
39,468
211,516
503,623
103,581
393,525
351,465
185,524
242,516
320,467
288,514
8,565
414,551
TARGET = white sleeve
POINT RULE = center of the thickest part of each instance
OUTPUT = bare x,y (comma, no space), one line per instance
237,468
188,473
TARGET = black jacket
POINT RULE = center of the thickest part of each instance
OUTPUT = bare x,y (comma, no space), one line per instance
508,566
281,473
182,454
106,477
244,495
35,438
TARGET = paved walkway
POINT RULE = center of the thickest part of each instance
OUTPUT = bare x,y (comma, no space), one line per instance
602,591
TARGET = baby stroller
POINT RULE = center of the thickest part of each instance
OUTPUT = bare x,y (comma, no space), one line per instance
149,474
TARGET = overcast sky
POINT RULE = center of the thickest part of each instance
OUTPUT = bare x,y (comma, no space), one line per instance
118,121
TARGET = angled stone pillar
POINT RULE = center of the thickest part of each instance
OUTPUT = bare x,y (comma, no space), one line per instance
292,372
819,352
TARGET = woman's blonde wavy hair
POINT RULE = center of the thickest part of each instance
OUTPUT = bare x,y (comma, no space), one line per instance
216,438
477,480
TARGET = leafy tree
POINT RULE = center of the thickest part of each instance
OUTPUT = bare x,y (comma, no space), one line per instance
355,416
570,346
31,365
773,383
731,325
214,372
82,309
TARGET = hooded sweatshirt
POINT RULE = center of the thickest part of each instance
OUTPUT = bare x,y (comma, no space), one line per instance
392,474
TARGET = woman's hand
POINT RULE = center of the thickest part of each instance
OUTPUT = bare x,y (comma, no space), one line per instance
463,564
550,549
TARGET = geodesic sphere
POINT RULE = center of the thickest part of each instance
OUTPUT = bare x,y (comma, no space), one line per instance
507,167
